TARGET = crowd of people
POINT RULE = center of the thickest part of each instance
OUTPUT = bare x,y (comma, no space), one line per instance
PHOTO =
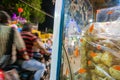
22,46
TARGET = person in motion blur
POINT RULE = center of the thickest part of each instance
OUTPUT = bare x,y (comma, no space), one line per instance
9,38
31,40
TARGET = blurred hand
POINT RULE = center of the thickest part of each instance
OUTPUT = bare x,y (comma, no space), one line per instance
26,56
48,53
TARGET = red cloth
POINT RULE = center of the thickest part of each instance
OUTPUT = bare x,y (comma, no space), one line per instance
29,40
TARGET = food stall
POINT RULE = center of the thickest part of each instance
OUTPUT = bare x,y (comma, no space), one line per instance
87,35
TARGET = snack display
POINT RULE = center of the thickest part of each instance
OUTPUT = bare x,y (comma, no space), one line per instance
100,51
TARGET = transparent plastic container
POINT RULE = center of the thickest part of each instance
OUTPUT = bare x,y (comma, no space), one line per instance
100,52
108,14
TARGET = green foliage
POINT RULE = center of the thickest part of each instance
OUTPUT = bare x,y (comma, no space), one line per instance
36,15
29,13
26,8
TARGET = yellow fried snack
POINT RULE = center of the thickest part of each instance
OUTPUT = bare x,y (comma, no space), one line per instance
94,76
97,58
97,77
99,70
115,71
106,78
107,59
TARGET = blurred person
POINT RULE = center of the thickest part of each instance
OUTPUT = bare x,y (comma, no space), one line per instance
36,51
10,40
31,40
48,44
35,48
10,37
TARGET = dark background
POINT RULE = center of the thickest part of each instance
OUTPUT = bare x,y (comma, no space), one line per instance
48,7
